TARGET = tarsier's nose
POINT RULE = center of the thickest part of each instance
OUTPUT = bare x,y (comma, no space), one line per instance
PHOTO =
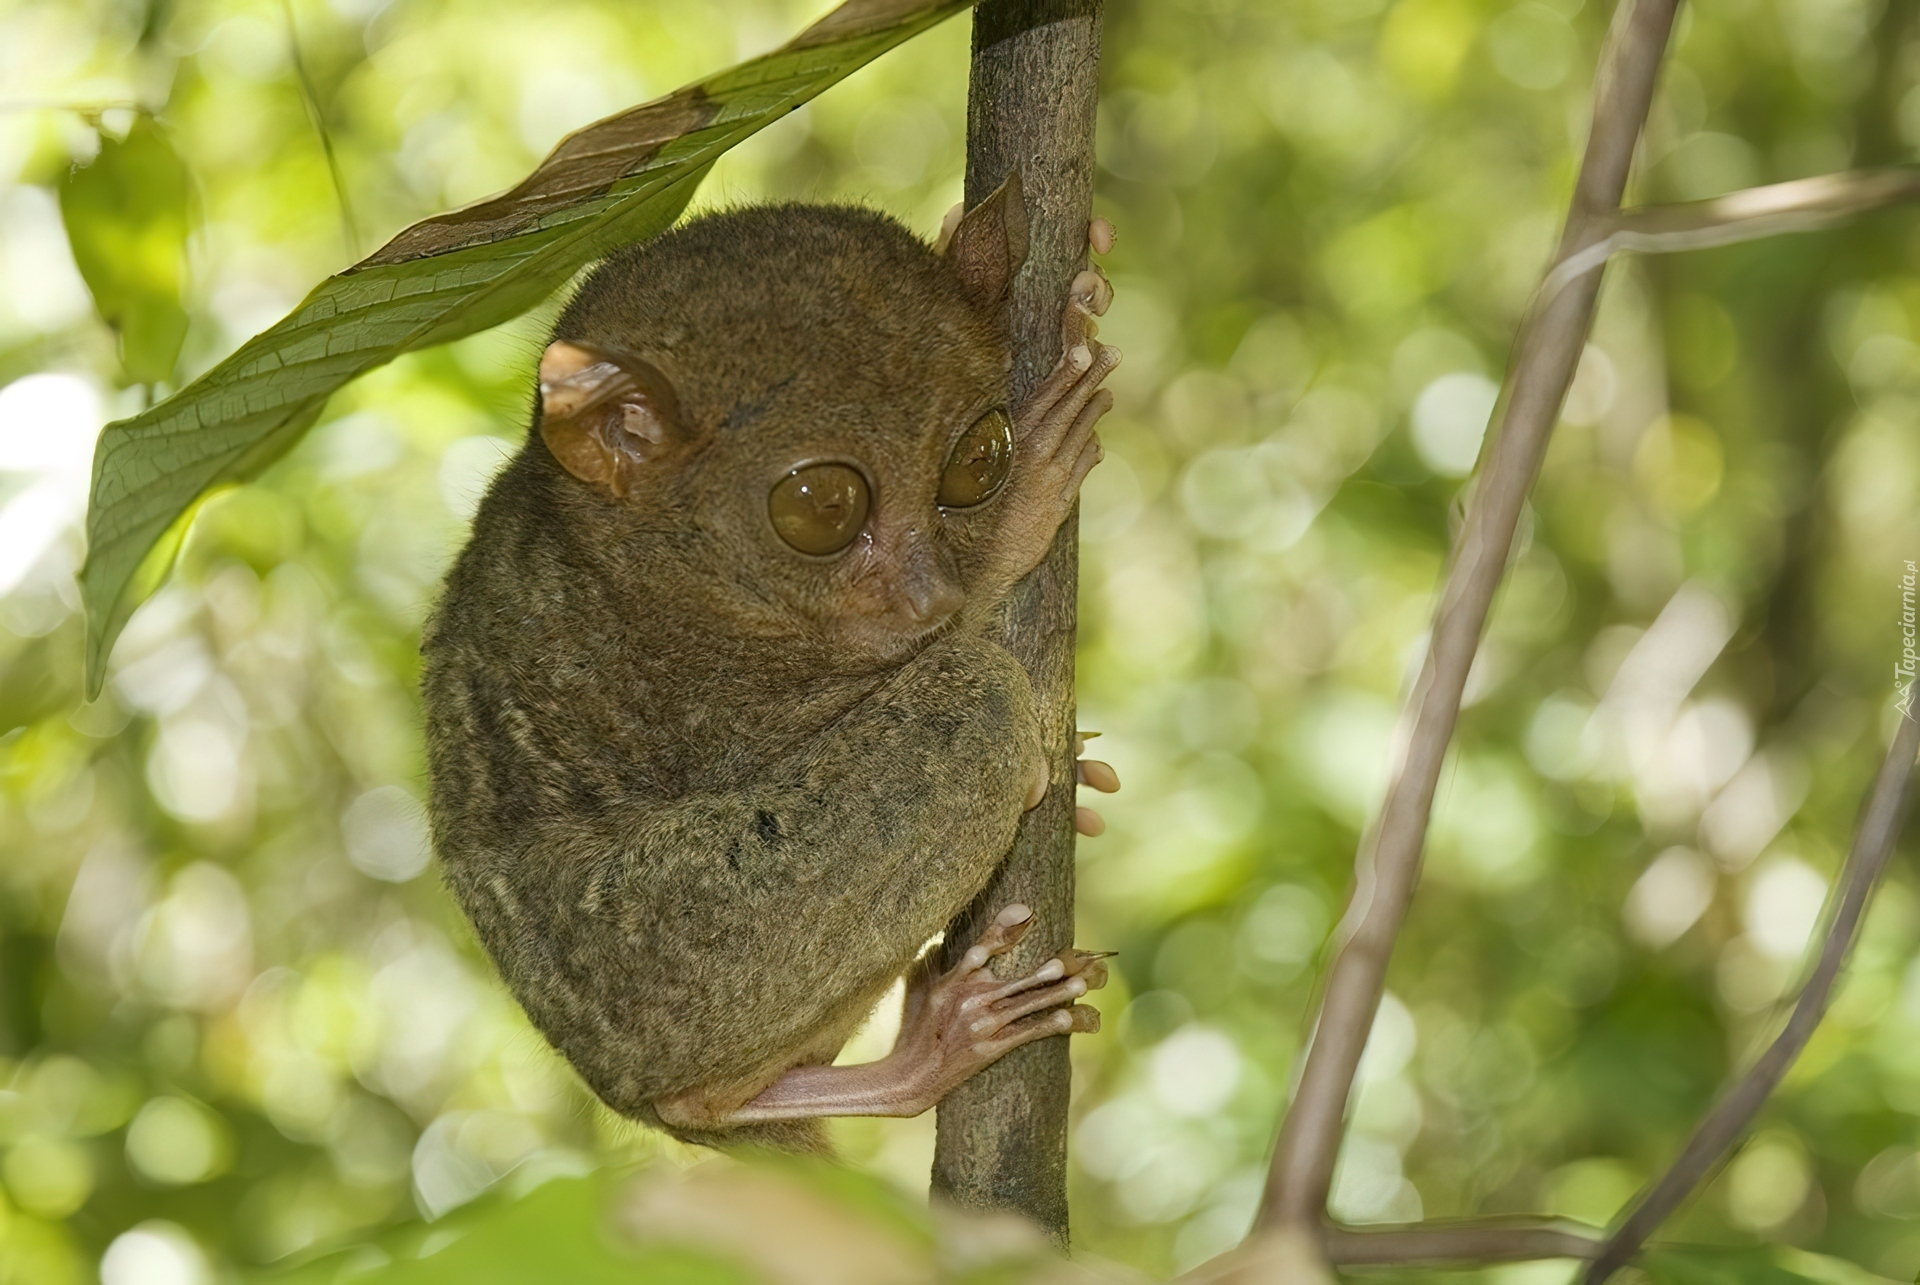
928,587
931,602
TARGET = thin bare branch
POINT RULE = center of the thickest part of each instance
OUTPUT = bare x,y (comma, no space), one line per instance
1804,205
349,226
1872,845
1290,1254
1501,1241
1389,862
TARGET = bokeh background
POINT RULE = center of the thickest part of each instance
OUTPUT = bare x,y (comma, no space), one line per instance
239,1019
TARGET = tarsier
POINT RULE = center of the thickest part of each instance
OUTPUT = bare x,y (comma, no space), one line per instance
719,734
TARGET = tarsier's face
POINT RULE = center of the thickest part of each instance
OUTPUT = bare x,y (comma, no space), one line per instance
824,408
860,510
889,545
865,513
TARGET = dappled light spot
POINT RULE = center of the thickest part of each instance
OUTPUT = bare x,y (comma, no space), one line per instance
154,1253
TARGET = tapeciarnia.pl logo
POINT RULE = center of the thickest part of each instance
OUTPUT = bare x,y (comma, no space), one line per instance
1903,668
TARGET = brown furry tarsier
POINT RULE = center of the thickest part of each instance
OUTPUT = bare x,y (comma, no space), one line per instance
719,733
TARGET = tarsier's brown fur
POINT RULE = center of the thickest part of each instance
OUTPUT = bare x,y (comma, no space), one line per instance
705,799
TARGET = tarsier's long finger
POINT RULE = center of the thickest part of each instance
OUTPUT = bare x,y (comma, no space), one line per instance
1089,966
1090,454
1101,236
1068,371
1096,775
1048,973
1008,927
1057,433
1077,326
1008,1011
1080,435
1077,1020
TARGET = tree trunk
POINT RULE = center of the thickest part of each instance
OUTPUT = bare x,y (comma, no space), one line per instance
1003,1134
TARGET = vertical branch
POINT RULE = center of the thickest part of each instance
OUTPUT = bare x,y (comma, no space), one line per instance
1872,845
1002,1139
1548,350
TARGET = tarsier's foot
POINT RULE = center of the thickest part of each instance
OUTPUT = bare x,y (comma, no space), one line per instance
954,1024
960,1021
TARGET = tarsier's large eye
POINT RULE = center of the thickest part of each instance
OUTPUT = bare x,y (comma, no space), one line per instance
818,509
979,462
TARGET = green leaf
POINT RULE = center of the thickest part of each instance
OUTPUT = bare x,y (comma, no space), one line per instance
613,183
556,1232
127,216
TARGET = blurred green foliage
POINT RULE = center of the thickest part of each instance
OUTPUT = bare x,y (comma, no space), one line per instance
126,213
437,281
240,1022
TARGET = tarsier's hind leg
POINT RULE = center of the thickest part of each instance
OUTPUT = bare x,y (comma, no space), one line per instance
953,1025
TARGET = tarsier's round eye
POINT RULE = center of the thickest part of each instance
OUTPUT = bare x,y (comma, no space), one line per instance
820,508
979,462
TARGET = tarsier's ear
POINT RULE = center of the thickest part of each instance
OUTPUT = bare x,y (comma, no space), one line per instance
990,243
609,418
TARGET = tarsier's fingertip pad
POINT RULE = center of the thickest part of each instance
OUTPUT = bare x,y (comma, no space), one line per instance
1016,913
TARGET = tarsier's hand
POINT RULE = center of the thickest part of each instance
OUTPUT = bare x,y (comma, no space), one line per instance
1054,445
1091,773
1095,775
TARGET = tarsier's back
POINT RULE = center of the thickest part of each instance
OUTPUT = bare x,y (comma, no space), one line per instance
717,740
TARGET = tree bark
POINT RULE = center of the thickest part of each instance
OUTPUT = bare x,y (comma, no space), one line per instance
1002,1141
